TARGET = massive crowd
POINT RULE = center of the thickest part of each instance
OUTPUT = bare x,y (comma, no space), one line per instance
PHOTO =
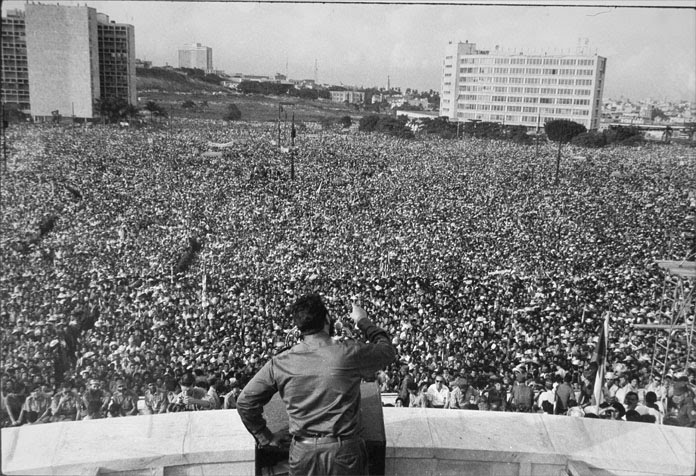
133,262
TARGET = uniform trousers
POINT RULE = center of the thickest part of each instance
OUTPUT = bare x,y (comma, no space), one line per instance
328,456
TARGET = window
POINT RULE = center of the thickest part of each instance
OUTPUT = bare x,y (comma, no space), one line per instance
516,70
548,91
516,80
546,101
514,108
582,92
533,71
514,99
531,91
498,98
497,107
533,60
531,80
549,80
516,89
581,102
483,107
529,109
531,100
499,89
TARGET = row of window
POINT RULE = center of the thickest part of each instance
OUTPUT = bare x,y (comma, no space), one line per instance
528,71
501,107
508,118
526,90
527,100
525,80
527,60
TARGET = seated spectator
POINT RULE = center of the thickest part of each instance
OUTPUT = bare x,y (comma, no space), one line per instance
65,405
37,407
422,398
438,393
155,398
95,400
191,398
123,402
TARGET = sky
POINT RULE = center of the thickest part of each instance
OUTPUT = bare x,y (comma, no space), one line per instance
651,52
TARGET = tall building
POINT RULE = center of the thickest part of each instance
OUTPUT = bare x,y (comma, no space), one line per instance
67,58
521,89
196,55
63,59
116,59
15,70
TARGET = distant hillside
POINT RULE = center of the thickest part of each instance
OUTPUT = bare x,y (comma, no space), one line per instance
171,80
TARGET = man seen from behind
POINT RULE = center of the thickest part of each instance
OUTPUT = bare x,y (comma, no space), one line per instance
319,381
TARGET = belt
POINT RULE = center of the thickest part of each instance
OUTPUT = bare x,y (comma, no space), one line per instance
318,439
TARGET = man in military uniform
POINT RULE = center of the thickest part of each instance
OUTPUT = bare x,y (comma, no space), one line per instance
319,382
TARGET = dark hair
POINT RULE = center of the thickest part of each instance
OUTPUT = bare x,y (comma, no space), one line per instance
650,397
309,314
187,379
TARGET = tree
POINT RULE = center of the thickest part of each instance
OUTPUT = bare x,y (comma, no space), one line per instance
114,110
561,131
233,113
346,121
188,104
657,113
155,109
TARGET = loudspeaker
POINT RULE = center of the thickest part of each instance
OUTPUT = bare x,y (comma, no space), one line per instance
371,429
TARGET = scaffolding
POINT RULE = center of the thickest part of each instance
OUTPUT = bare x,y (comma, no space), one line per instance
676,317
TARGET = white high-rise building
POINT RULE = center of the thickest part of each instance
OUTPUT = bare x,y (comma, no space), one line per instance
520,89
64,58
196,56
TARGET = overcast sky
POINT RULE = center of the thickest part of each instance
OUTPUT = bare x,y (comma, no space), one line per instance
651,51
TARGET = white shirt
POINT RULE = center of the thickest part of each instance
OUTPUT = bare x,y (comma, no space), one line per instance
438,398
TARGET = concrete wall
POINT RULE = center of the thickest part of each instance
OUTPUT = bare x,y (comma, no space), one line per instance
62,59
420,442
200,443
460,442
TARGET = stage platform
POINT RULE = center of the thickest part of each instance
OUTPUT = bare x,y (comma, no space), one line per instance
420,442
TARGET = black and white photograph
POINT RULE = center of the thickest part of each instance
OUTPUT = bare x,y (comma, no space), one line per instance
348,238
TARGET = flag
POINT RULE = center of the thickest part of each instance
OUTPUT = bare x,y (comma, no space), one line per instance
600,357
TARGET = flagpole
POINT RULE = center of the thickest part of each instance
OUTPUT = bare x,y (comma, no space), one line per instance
602,344
292,148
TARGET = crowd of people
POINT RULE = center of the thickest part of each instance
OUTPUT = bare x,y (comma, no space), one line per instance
132,260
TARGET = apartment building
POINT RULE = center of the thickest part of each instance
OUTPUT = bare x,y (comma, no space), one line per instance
521,89
116,59
15,70
63,58
197,56
353,97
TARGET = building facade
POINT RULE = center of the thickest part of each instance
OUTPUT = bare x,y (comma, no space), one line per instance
519,89
15,69
116,59
197,56
62,59
353,97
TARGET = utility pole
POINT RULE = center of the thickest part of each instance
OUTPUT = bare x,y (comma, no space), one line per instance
537,131
292,148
